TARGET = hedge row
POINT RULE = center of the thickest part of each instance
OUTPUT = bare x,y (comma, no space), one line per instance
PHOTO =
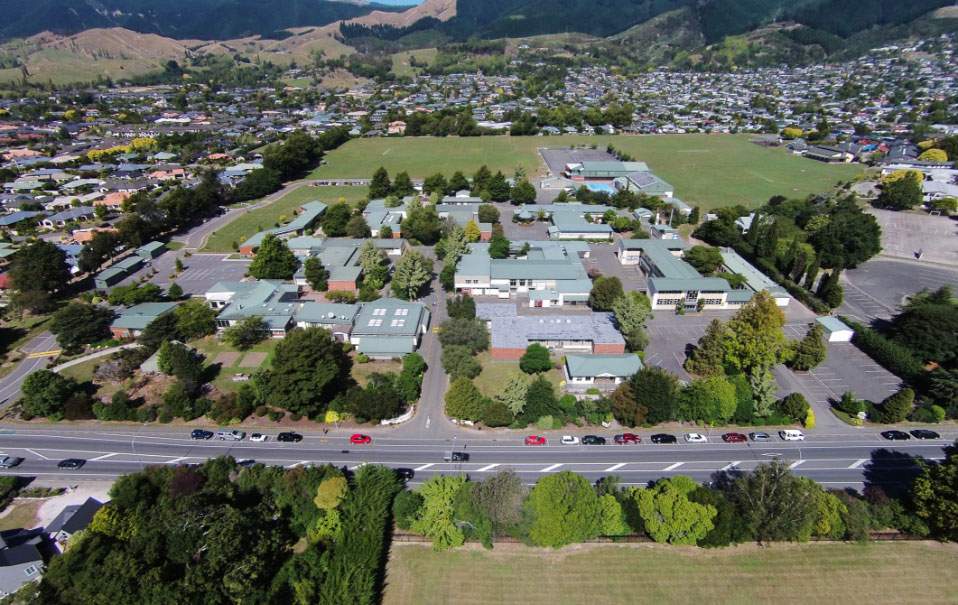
768,268
890,355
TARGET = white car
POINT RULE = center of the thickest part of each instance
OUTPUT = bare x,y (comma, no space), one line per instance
569,440
791,435
259,437
695,438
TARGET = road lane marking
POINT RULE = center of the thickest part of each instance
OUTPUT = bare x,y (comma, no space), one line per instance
615,467
550,468
730,466
38,455
858,463
173,461
43,354
673,467
486,468
796,463
104,456
425,466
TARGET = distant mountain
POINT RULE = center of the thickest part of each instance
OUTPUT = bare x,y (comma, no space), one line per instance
180,19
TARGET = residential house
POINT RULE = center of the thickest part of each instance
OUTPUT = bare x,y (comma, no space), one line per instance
604,372
60,219
20,559
131,322
73,518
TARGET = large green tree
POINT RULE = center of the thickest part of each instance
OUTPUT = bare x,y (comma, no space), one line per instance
708,400
79,324
39,267
524,192
934,494
669,516
436,517
45,394
463,400
371,256
413,273
536,359
605,291
273,260
777,505
656,390
316,274
705,360
335,219
901,194
247,333
811,351
705,259
194,319
309,369
379,186
471,333
565,510
754,338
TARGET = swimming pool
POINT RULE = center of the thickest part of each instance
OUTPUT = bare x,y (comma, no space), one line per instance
597,187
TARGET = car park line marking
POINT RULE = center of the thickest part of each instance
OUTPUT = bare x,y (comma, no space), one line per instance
796,463
104,456
487,468
614,467
550,468
730,466
425,466
673,467
858,463
38,455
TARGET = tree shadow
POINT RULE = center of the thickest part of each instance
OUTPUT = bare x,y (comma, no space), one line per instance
891,470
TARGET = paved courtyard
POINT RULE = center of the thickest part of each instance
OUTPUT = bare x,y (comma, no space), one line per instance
201,271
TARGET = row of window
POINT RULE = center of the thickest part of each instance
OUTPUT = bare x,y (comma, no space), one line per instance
396,323
399,312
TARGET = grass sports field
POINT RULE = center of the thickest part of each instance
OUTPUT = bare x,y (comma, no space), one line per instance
266,217
708,170
913,572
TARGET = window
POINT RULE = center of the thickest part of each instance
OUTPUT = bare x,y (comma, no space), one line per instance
402,312
379,311
398,323
30,570
375,323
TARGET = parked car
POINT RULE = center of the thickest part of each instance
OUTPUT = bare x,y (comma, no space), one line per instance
9,461
569,440
360,439
925,434
535,440
734,438
896,435
791,435
662,438
760,437
593,440
230,435
71,463
405,473
259,437
695,438
627,438
201,434
289,437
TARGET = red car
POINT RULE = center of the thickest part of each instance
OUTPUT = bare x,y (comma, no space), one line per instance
535,440
628,438
360,439
734,438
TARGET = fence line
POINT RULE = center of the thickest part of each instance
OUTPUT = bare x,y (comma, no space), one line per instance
873,536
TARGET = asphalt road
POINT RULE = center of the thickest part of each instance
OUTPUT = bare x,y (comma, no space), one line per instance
10,385
111,452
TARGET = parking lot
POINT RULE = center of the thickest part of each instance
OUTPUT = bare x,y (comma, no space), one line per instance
201,271
904,234
879,287
556,159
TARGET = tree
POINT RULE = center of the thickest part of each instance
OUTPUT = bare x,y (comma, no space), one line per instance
565,510
379,186
458,182
763,393
436,516
625,408
463,400
896,407
454,244
413,273
499,246
777,505
500,497
540,401
357,228
371,256
134,294
657,391
729,527
612,520
405,508
754,338
194,319
708,400
850,238
498,188
174,292
462,306
175,359
472,231
378,400
273,260
335,219
468,332
158,331
45,393
79,324
497,414
934,155
436,182
309,369
668,514
458,361
794,406
811,351
630,313
605,291
39,267
536,359
316,274
247,333
523,193
928,326
258,183
422,224
513,393
705,360
705,259
488,213
99,250
447,277
402,185
934,494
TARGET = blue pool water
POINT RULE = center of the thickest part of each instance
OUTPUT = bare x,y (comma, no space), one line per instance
601,187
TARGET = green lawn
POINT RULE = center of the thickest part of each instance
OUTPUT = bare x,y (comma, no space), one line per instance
494,374
708,170
211,347
912,572
401,65
21,514
266,217
361,371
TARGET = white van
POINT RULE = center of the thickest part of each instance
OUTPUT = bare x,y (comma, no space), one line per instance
230,435
791,435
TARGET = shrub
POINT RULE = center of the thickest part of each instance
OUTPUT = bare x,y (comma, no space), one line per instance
341,296
276,415
295,416
360,358
809,419
850,404
938,413
261,411
332,416
593,391
545,423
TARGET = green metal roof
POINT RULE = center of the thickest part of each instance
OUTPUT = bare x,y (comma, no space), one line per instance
603,365
832,324
140,316
385,345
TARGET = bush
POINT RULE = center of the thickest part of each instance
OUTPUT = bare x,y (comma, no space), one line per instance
593,391
295,416
341,296
850,404
809,419
276,415
405,506
545,423
938,413
360,358
261,410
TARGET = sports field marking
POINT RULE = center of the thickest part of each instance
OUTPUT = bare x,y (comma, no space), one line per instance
387,151
757,175
693,151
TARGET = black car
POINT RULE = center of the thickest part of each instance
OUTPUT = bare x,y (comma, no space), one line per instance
9,461
924,434
896,435
71,463
201,434
405,473
249,462
289,437
593,440
663,438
